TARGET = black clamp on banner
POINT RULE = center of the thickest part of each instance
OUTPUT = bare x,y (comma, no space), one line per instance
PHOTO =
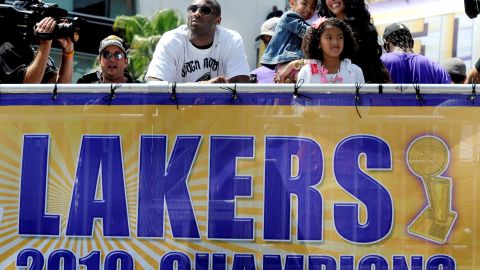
418,95
112,94
296,93
401,88
358,98
173,97
380,89
234,93
473,96
55,92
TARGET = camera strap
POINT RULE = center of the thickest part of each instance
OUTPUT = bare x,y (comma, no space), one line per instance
43,36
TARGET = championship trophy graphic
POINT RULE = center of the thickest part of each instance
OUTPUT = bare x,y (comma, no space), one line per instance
428,158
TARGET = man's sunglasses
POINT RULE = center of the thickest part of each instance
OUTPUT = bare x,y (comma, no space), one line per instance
107,55
204,10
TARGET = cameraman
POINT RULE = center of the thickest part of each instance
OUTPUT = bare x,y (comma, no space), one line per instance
20,64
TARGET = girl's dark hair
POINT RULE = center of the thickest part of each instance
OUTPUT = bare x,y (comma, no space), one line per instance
311,40
353,9
369,50
401,38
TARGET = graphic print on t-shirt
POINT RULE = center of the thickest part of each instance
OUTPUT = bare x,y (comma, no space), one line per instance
201,69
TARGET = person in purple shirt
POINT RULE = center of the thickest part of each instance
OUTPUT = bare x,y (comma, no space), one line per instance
403,64
264,74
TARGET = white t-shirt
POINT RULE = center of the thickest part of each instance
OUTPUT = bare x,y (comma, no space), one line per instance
176,60
347,73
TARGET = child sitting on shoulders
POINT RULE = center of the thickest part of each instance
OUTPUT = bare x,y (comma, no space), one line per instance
329,44
286,43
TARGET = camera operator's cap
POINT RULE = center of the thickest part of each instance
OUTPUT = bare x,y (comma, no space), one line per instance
393,28
455,66
268,28
112,40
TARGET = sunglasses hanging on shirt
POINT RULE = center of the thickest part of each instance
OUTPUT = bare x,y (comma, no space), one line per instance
204,10
107,55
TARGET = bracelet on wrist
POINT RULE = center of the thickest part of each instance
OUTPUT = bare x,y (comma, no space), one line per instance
69,54
299,64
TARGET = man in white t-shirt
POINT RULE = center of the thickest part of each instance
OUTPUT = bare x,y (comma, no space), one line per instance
200,51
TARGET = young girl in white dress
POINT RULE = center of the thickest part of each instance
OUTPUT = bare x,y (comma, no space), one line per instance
329,45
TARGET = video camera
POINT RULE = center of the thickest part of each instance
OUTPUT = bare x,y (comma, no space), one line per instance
472,8
20,17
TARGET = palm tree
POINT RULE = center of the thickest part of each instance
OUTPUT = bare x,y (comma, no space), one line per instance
143,34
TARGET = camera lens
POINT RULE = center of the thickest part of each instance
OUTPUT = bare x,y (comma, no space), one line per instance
69,29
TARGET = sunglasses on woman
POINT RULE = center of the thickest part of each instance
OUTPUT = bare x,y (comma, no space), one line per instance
204,10
107,55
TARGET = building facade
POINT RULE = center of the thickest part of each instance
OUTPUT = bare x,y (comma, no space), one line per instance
440,27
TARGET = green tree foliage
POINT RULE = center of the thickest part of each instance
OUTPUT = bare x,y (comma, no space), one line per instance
142,34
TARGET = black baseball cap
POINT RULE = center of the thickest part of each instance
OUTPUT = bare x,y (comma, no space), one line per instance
393,28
